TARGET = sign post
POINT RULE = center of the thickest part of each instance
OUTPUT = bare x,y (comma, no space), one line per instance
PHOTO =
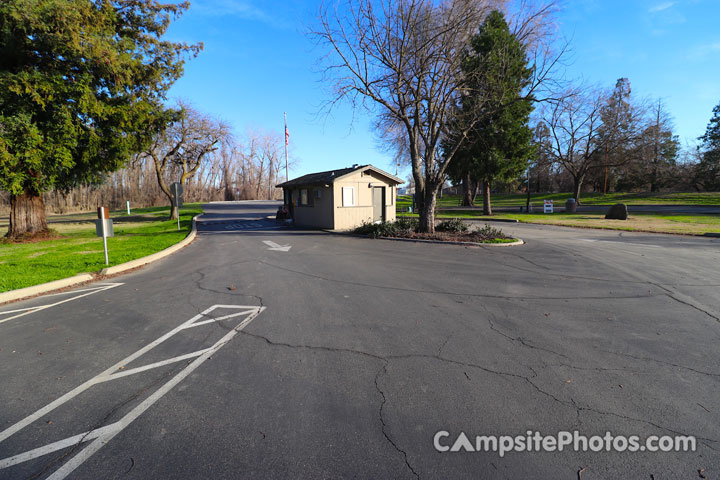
177,190
548,206
104,228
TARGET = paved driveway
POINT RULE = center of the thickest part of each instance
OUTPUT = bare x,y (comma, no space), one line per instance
342,357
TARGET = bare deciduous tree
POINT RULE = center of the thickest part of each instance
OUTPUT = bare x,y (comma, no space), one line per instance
585,128
185,145
574,122
403,58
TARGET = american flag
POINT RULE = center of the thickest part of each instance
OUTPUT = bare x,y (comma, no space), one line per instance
287,135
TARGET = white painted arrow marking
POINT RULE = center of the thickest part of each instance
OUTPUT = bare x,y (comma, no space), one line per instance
276,247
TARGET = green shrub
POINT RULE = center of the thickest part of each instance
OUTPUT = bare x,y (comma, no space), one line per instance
453,225
407,225
403,226
489,232
375,230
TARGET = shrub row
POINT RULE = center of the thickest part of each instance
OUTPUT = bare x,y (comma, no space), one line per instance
408,227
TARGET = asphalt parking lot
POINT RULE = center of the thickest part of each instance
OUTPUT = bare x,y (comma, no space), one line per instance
265,352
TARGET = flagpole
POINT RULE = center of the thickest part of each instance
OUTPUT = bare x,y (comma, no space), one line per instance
287,177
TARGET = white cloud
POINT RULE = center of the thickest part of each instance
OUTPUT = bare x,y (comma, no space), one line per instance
661,6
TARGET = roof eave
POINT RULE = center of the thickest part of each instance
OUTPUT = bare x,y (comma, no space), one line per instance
376,170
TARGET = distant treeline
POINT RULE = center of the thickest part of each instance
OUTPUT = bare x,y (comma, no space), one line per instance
236,170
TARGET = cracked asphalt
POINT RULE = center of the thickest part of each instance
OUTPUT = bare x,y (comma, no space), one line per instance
367,348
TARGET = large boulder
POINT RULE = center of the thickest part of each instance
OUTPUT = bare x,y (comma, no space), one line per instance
618,211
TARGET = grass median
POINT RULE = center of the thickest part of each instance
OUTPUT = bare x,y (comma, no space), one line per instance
636,222
643,198
76,249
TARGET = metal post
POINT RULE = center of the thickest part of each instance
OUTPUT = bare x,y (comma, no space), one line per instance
287,176
107,262
177,202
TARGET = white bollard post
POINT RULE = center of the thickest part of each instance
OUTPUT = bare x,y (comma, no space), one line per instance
128,206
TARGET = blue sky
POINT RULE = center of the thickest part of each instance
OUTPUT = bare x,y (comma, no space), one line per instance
259,63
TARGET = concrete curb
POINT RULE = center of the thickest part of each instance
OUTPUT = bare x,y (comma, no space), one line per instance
35,290
423,240
155,256
441,242
485,220
44,287
482,220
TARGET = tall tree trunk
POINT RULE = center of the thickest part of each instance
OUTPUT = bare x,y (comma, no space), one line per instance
173,208
577,186
427,209
160,175
654,187
487,207
467,191
27,215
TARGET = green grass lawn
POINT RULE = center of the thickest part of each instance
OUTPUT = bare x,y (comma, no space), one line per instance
518,199
638,222
78,250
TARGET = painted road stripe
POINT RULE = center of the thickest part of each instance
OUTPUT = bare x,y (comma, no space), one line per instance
99,442
27,311
144,368
205,322
54,447
103,435
78,390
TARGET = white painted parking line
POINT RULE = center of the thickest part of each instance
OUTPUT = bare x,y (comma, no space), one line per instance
150,366
102,435
219,319
59,445
21,312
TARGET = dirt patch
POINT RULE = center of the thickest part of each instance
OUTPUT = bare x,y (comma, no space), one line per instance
38,237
